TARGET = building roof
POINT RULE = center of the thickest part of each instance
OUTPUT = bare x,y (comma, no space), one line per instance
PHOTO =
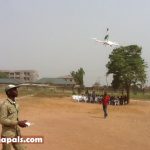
66,77
9,81
55,81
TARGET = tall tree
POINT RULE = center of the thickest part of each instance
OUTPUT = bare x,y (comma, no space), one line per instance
127,67
78,77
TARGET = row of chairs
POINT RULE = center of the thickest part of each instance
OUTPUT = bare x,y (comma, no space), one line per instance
84,98
79,98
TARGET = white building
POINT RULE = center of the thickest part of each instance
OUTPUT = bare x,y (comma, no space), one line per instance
22,75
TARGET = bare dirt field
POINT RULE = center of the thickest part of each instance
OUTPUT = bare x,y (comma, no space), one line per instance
69,125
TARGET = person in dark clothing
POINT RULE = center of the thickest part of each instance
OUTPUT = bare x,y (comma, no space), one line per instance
105,102
93,97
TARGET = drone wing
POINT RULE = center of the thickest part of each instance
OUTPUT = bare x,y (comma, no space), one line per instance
115,44
98,40
112,43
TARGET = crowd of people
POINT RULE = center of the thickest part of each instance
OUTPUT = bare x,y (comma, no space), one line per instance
96,98
118,100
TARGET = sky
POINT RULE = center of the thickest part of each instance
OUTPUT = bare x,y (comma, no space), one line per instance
54,36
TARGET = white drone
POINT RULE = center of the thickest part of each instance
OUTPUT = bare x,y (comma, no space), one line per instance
106,41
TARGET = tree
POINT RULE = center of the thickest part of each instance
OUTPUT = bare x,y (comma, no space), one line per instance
78,78
127,67
3,75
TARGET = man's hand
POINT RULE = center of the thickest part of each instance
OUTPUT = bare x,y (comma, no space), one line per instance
22,123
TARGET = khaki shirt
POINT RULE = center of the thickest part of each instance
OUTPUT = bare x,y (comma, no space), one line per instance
9,118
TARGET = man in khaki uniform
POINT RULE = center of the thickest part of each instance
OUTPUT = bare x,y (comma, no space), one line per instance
9,118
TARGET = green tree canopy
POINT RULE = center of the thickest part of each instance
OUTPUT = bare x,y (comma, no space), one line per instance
3,75
127,67
78,77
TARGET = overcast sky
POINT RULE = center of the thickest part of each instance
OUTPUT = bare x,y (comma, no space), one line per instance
54,36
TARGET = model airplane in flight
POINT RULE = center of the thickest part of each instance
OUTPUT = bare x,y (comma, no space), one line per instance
106,41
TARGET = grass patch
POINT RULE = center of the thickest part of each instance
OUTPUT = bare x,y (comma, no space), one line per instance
60,92
43,92
141,96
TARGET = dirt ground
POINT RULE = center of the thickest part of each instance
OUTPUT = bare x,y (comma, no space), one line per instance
69,125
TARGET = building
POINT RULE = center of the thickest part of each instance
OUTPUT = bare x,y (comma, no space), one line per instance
55,82
5,81
24,76
68,78
65,81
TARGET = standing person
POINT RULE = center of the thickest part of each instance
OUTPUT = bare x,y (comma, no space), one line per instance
105,101
93,96
9,118
87,95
